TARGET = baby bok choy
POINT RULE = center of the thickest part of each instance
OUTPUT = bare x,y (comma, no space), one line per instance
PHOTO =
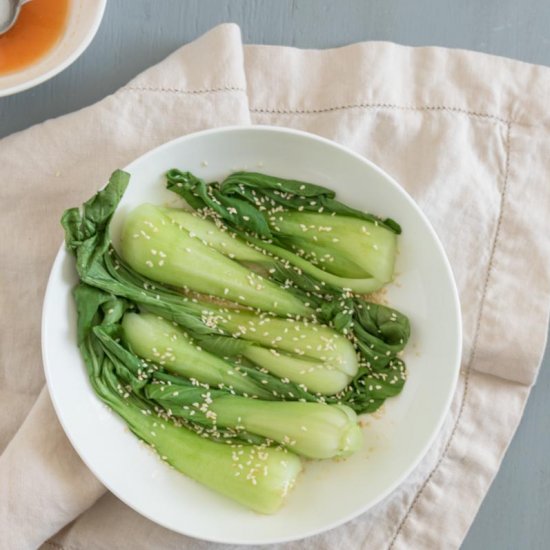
378,333
256,476
313,430
300,223
314,356
233,337
163,250
158,340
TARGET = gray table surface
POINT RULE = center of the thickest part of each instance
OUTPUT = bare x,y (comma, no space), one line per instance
137,33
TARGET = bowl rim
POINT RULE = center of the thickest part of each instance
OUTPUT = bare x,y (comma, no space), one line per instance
456,361
69,60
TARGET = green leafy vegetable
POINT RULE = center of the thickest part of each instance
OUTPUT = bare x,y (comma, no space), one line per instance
379,332
256,476
99,265
307,353
311,429
216,237
167,252
156,339
314,356
300,223
227,331
242,190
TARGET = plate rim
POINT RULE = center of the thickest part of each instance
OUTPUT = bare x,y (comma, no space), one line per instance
62,254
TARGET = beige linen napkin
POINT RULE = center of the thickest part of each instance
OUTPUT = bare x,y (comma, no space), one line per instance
466,134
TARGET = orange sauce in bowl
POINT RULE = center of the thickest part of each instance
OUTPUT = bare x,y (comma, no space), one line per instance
40,25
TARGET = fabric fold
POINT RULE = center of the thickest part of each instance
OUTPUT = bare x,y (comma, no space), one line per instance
465,134
377,75
43,483
432,115
71,158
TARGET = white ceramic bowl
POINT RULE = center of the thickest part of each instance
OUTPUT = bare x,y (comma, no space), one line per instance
84,19
328,493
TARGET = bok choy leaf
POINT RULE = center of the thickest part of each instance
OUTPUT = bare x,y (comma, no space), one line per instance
256,476
300,223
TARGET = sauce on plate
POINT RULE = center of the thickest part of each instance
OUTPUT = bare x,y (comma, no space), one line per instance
37,30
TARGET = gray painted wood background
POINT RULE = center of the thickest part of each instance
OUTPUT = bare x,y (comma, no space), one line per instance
137,33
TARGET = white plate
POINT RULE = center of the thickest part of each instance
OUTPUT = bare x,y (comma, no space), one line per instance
83,21
328,493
